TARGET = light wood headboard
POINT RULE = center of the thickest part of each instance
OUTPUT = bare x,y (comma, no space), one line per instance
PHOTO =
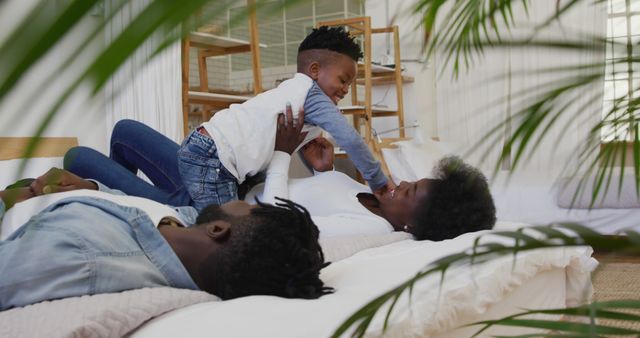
15,147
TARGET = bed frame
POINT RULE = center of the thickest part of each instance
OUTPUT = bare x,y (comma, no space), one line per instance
15,147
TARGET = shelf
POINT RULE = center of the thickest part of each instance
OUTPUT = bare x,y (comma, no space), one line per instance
376,70
212,45
206,40
375,111
386,80
212,98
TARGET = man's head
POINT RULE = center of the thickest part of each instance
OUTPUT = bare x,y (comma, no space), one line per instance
268,250
328,55
456,201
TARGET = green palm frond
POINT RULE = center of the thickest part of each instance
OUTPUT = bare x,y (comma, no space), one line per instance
458,31
525,239
570,97
46,25
461,30
38,33
30,42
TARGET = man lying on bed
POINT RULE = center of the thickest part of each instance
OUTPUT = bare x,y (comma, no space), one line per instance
89,242
456,200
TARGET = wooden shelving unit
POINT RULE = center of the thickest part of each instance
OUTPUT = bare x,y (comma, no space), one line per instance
210,45
370,75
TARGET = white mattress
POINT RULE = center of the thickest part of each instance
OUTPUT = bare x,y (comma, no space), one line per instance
467,294
531,198
197,322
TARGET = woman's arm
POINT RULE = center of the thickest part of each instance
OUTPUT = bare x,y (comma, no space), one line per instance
289,135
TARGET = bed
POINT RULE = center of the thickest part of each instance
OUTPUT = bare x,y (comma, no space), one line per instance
363,267
540,279
526,197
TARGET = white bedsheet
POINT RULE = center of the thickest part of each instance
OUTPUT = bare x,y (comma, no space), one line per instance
466,292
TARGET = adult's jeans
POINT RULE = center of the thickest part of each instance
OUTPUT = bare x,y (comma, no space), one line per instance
134,146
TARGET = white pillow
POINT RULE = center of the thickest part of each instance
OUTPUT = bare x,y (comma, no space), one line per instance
35,167
412,161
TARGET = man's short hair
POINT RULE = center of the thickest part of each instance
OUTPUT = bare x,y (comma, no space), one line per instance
273,251
458,201
334,39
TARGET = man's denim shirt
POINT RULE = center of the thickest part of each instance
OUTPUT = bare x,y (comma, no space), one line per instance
84,246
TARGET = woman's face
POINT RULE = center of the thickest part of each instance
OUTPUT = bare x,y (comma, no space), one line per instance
399,206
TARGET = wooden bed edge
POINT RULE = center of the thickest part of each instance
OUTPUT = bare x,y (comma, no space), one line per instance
15,147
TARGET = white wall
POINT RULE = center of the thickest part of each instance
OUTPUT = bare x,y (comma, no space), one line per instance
24,108
419,96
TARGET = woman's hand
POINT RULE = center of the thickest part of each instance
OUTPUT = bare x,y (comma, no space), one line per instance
319,154
289,133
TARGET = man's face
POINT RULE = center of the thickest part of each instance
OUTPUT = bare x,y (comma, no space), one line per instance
335,77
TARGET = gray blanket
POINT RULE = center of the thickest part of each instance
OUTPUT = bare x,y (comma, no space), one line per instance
105,315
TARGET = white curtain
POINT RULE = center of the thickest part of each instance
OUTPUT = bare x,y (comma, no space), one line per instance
467,108
146,92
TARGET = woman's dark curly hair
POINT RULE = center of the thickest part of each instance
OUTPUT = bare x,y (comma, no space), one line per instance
458,201
273,251
335,39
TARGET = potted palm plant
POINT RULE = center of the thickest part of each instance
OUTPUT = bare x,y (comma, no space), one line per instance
459,31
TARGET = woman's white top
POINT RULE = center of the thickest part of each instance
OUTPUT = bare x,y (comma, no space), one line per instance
330,197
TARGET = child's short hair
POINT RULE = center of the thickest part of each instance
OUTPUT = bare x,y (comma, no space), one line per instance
335,39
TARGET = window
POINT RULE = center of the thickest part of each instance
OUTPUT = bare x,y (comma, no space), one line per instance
622,81
283,30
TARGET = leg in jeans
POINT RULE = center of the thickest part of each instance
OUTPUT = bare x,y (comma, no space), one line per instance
136,146
89,163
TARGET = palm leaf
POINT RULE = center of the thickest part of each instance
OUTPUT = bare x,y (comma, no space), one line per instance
35,36
40,31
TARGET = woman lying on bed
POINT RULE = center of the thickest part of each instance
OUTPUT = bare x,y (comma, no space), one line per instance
457,200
